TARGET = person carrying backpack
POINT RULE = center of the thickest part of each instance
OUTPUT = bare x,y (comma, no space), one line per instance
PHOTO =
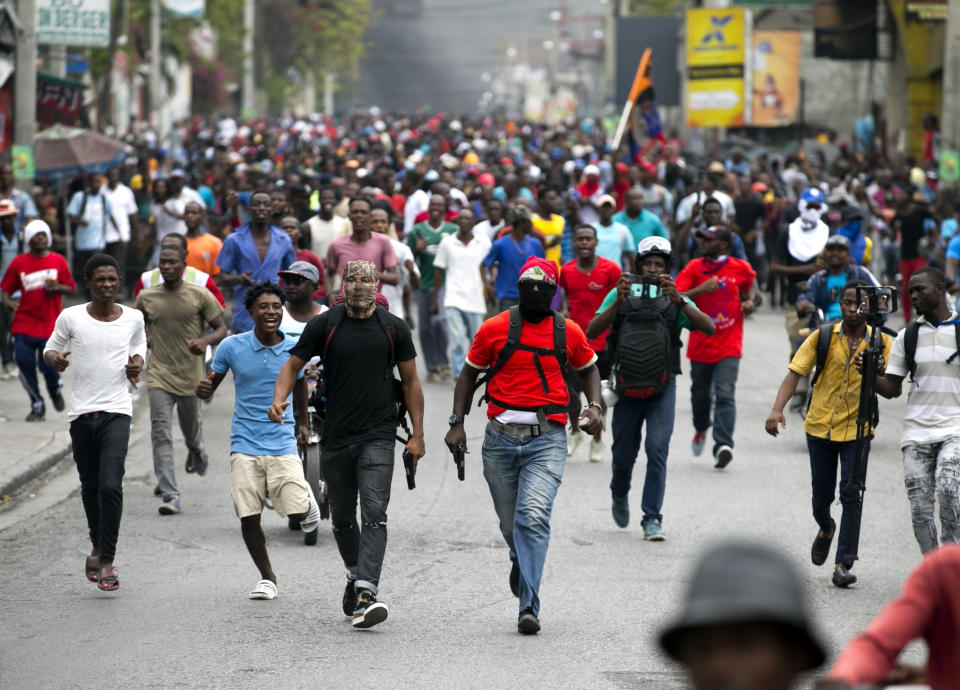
831,421
647,314
354,341
524,350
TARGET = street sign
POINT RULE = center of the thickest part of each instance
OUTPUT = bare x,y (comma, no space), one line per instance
716,49
73,22
949,166
22,162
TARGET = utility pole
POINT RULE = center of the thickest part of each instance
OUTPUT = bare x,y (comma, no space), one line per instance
329,81
57,60
949,124
25,82
246,105
156,74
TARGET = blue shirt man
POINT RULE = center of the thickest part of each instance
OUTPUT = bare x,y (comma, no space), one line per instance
255,369
240,257
510,254
639,221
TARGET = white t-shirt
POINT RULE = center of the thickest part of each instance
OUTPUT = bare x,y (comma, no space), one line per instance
394,293
323,232
167,223
123,205
933,403
99,351
417,203
292,328
489,231
463,284
685,207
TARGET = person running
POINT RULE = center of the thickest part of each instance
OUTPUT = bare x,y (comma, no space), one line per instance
41,277
585,281
424,240
407,271
191,275
177,315
461,258
203,248
831,422
263,455
105,343
931,428
525,444
613,238
639,221
253,253
657,409
723,288
354,340
508,255
299,281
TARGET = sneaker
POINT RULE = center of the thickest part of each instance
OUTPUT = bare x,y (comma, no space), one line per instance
368,612
652,531
433,377
842,577
171,506
515,580
621,511
699,440
821,546
724,457
596,451
35,416
58,404
446,373
312,519
349,598
573,443
527,623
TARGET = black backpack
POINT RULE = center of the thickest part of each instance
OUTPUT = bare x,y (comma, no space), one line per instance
558,352
646,346
910,337
318,399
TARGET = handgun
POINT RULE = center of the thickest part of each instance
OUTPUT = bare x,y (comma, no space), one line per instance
411,471
458,457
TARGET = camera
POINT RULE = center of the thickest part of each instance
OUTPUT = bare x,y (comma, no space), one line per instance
876,302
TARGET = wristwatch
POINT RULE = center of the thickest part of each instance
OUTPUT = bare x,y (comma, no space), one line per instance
454,420
594,403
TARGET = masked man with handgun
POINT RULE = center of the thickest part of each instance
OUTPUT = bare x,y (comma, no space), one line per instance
831,421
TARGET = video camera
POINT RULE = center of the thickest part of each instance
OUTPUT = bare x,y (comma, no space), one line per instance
876,303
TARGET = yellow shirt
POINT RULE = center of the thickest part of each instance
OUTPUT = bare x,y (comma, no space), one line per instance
552,227
836,395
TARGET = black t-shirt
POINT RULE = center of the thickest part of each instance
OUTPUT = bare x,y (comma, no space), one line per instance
359,378
782,253
747,214
912,231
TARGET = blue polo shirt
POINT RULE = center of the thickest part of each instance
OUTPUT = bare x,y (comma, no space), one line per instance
239,255
510,256
646,224
255,369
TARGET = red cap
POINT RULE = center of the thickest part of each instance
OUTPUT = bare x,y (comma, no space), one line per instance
539,269
487,179
621,168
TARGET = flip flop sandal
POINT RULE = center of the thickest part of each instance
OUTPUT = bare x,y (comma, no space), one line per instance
265,589
190,467
108,581
92,568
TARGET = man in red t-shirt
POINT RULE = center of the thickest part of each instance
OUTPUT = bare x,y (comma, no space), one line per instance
723,288
586,281
40,276
524,448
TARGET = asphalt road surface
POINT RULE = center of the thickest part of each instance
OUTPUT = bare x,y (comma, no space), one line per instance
182,617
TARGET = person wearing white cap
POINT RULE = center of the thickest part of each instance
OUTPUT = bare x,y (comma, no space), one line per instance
589,192
614,240
40,276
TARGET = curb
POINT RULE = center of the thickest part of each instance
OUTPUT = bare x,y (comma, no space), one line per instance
35,470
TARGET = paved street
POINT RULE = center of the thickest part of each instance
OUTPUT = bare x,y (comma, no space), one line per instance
182,619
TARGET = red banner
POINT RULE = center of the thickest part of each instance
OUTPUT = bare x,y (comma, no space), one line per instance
59,101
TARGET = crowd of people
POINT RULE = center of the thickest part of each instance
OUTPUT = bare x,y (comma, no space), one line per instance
526,257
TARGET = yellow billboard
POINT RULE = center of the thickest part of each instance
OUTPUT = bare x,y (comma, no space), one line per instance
716,48
776,77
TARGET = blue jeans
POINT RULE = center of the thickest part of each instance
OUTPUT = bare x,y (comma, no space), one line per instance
461,327
28,353
523,475
433,330
715,381
629,414
823,474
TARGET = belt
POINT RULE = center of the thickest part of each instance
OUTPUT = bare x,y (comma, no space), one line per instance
519,430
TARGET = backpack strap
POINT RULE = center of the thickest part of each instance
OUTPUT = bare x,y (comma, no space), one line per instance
506,352
334,320
910,337
380,312
824,336
956,337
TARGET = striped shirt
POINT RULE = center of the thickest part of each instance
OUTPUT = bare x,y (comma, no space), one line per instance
933,402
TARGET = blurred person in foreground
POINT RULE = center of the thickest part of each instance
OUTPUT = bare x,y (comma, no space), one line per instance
928,608
744,623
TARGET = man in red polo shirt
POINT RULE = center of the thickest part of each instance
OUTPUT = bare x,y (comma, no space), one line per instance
586,280
524,448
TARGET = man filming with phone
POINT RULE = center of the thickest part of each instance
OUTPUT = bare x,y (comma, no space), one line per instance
831,421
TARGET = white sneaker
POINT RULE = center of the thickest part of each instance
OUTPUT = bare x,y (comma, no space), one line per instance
573,442
596,451
312,520
724,457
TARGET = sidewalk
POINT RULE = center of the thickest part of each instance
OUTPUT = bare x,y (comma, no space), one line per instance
28,449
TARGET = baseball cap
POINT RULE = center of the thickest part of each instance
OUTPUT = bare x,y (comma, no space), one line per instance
178,172
303,269
539,269
716,167
606,199
519,212
486,179
849,212
591,170
714,232
758,188
8,208
837,241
